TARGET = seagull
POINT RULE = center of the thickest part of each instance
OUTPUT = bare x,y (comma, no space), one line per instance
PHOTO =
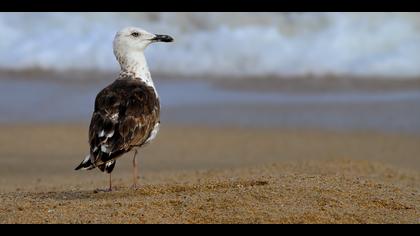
126,113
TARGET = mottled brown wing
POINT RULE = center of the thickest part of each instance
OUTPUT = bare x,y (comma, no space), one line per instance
125,114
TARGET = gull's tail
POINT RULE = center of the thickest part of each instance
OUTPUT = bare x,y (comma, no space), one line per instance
86,164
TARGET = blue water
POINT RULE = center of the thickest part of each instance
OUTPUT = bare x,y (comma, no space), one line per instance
224,44
198,102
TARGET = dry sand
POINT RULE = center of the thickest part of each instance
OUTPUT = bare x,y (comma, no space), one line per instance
213,175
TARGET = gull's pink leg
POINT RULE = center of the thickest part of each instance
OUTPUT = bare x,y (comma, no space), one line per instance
110,183
135,171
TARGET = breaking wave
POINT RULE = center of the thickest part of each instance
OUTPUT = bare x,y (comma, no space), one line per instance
221,44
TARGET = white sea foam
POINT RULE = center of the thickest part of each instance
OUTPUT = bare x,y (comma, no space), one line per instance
221,44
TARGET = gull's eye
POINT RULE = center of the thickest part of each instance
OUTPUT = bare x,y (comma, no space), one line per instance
135,34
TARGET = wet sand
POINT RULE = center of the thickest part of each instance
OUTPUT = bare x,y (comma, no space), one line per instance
308,105
200,174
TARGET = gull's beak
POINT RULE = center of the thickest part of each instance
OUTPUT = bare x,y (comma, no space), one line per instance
162,38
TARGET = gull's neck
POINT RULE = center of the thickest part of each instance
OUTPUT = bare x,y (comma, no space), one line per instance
134,64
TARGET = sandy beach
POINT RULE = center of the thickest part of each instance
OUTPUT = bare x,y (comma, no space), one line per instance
213,175
307,151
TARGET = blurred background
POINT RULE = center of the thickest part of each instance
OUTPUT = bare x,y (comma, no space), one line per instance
357,70
329,72
237,44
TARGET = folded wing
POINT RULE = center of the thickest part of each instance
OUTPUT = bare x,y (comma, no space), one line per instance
125,115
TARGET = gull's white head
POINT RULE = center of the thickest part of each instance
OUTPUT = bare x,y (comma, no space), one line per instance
133,39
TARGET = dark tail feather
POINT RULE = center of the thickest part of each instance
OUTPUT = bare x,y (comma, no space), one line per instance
108,167
86,164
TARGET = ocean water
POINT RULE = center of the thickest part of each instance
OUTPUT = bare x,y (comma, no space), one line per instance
233,45
201,103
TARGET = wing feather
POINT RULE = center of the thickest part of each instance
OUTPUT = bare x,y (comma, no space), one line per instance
126,112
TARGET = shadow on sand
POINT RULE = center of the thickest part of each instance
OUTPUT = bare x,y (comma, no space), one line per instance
146,190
